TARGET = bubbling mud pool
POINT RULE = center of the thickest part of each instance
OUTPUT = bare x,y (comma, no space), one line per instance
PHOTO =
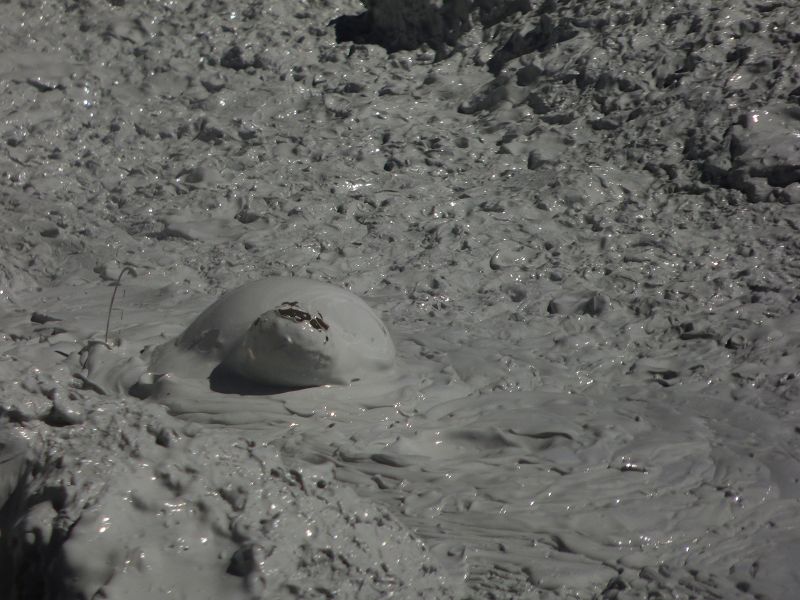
552,491
578,221
274,332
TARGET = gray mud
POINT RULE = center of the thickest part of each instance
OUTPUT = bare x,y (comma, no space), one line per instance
578,220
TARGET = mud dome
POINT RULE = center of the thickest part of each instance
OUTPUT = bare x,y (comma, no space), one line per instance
578,220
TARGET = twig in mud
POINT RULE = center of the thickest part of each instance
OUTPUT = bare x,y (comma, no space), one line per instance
113,296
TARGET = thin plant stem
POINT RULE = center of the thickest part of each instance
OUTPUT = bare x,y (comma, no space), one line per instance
113,296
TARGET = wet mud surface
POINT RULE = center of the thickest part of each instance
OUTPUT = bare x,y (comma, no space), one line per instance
578,221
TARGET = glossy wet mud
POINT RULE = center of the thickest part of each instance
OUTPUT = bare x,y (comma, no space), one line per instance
577,221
